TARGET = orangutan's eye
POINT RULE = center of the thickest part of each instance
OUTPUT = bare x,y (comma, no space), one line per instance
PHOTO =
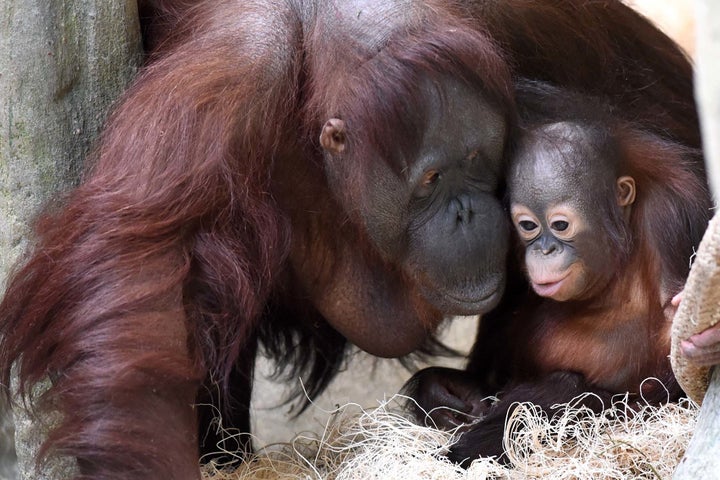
527,225
430,178
560,225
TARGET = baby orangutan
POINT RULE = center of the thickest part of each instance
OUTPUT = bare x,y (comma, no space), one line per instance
600,232
562,198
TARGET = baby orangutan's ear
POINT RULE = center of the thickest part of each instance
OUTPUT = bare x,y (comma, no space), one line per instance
625,191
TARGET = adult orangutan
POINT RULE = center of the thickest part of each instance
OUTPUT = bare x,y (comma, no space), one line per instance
607,216
301,174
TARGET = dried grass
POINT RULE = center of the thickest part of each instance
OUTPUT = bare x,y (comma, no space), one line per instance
381,443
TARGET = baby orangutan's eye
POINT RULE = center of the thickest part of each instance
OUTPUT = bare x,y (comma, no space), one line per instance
527,225
560,225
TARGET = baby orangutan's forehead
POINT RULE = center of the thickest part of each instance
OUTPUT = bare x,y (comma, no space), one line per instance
541,178
556,163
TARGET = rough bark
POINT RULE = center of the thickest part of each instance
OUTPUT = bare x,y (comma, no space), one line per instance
701,458
62,64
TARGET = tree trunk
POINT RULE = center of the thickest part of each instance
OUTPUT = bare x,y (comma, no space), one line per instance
701,457
62,64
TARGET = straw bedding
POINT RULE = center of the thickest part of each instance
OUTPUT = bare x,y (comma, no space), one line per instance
382,443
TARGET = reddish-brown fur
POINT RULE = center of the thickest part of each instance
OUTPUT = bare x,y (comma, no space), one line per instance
622,337
192,236
158,268
534,349
170,237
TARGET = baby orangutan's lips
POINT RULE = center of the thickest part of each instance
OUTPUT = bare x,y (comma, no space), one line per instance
548,287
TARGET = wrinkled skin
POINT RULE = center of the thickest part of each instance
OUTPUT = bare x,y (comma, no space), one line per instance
440,220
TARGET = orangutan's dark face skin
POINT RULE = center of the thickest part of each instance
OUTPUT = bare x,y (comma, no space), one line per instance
440,219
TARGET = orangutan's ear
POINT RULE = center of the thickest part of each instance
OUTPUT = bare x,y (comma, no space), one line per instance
332,137
625,191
